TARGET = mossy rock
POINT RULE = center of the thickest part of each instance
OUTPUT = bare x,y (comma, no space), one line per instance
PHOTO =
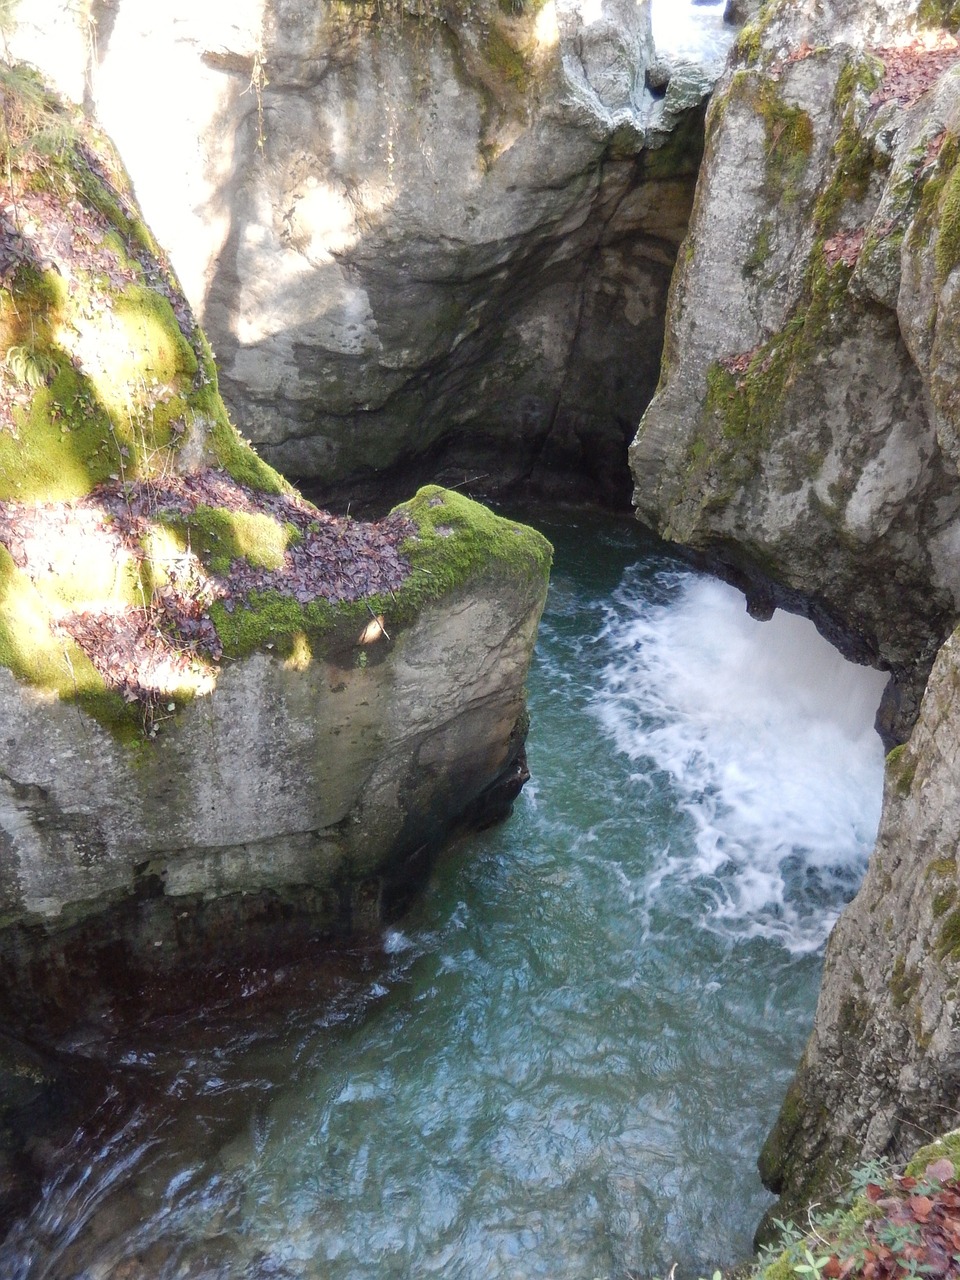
108,387
940,13
457,544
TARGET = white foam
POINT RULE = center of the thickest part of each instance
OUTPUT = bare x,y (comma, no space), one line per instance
766,736
686,32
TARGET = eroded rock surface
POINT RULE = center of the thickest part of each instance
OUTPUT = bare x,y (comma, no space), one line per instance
422,238
881,1071
804,437
803,429
210,690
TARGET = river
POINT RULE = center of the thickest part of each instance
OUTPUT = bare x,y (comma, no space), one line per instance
563,1063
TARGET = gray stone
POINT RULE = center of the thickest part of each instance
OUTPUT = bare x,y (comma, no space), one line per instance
798,431
407,235
881,1071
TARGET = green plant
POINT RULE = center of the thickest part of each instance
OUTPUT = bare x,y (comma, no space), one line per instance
29,368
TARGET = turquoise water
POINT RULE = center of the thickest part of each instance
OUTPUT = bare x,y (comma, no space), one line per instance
564,1062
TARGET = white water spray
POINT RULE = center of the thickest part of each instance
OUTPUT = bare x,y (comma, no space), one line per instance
687,32
766,735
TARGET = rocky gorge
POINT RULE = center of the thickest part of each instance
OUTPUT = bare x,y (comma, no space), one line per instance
435,243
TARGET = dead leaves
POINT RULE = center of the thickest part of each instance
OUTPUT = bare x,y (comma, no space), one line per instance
915,1231
913,69
142,650
844,246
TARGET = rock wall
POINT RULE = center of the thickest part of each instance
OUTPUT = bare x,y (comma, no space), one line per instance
803,432
423,238
804,438
881,1071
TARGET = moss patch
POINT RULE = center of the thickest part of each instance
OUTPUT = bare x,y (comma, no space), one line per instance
221,536
904,983
940,13
458,545
901,769
948,938
55,664
788,141
947,253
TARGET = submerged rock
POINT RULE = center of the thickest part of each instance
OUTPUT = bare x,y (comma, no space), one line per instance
426,240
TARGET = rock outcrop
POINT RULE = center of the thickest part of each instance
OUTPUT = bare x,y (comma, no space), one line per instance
424,239
881,1071
803,431
804,437
221,706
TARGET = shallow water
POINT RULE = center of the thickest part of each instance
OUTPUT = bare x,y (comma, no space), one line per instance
564,1063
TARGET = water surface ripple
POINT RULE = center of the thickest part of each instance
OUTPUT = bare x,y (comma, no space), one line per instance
564,1062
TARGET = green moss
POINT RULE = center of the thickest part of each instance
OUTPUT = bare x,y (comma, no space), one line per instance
220,536
30,650
749,42
943,901
506,59
762,245
940,13
945,1148
63,444
942,867
746,405
788,141
948,939
901,769
947,253
904,983
854,157
458,545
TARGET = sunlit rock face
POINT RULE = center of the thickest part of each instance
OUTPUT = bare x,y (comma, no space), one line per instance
212,692
431,237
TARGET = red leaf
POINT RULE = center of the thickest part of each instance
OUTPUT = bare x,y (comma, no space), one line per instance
920,1207
875,1192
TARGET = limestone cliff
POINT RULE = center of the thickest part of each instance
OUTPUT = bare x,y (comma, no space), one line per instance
423,237
804,428
805,436
220,704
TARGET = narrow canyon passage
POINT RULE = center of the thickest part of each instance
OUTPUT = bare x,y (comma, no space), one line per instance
564,1062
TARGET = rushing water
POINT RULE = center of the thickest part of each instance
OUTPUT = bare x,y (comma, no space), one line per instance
687,31
564,1062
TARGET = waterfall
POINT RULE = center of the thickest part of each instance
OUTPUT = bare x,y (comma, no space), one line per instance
766,735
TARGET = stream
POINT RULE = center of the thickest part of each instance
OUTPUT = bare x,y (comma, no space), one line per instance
564,1062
